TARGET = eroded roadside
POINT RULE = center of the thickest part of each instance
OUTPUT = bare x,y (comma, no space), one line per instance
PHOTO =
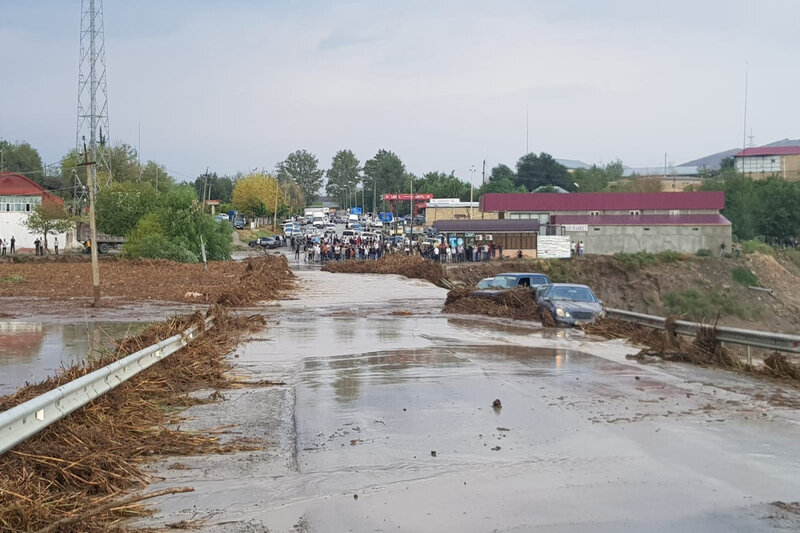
384,420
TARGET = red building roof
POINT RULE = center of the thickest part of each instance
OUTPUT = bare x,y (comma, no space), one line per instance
769,150
601,201
13,184
642,220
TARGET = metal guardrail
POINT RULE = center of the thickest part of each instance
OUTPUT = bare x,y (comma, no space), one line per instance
746,337
27,419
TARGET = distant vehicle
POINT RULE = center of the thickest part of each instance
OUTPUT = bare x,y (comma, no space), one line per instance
484,283
376,223
238,221
105,242
569,304
369,235
351,219
330,228
264,242
301,221
355,226
296,232
349,234
287,222
511,280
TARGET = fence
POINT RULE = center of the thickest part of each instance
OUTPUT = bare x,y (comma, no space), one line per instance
27,419
745,337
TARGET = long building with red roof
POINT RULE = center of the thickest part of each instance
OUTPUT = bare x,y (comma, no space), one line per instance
608,223
19,195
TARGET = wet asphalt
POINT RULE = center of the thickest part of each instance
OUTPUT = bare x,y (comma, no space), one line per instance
385,422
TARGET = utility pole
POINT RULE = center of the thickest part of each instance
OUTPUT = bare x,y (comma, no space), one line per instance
90,178
374,198
483,182
205,183
275,211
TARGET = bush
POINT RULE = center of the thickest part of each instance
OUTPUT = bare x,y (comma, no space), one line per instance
704,252
706,306
750,247
668,256
744,276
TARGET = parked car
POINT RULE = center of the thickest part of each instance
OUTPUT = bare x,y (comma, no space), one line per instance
569,304
512,280
264,242
330,229
484,283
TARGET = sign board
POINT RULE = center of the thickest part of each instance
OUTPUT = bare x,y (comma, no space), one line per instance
385,217
479,237
355,211
407,197
575,227
487,237
553,246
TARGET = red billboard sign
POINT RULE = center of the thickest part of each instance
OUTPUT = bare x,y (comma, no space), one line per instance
407,197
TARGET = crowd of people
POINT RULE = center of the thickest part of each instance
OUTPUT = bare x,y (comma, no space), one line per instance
315,249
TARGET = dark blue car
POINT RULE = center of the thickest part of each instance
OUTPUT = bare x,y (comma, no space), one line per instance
569,304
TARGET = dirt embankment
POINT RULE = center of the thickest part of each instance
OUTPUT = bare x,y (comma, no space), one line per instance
696,288
226,282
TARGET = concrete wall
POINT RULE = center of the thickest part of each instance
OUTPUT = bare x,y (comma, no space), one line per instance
11,225
632,239
432,214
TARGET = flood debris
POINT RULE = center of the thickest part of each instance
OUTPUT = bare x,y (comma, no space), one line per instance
517,304
95,456
704,349
409,266
497,404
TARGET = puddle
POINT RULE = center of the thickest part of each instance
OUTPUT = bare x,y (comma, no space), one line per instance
32,351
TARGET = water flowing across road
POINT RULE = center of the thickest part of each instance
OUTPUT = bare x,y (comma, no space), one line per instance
385,422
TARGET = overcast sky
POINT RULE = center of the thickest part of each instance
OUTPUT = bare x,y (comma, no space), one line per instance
239,84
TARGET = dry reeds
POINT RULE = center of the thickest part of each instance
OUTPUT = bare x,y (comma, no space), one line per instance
517,304
403,265
94,456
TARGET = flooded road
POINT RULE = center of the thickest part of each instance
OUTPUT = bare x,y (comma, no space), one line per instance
385,422
33,351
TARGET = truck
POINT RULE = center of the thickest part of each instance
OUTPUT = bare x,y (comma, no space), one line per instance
311,212
105,242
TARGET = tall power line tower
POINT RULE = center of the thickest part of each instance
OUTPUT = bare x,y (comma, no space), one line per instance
92,89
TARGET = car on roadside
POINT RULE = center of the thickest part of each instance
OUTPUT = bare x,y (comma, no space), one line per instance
569,304
484,283
264,242
512,280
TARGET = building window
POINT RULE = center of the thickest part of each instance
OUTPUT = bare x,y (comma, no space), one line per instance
674,212
646,229
596,229
594,213
635,212
695,229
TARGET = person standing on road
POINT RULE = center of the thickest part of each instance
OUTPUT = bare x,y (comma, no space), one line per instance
55,245
13,247
3,245
36,245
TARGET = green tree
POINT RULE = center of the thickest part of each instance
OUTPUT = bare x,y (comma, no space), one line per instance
343,176
156,175
502,172
255,195
23,158
533,171
442,185
49,218
500,185
779,214
384,173
302,168
597,179
217,188
120,206
174,230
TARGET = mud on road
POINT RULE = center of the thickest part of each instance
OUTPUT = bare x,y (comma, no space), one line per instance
67,285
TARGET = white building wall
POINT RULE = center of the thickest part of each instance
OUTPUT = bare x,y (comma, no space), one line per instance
12,225
756,164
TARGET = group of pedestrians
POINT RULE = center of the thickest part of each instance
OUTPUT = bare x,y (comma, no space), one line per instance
458,253
4,244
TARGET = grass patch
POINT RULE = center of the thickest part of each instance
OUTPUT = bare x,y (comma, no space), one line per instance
793,256
705,306
744,276
12,279
640,260
749,247
246,235
704,252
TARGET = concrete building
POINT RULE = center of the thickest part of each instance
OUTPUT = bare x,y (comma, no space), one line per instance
767,161
608,223
450,209
18,197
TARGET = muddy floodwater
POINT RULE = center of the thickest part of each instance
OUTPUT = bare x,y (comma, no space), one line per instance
385,422
33,351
